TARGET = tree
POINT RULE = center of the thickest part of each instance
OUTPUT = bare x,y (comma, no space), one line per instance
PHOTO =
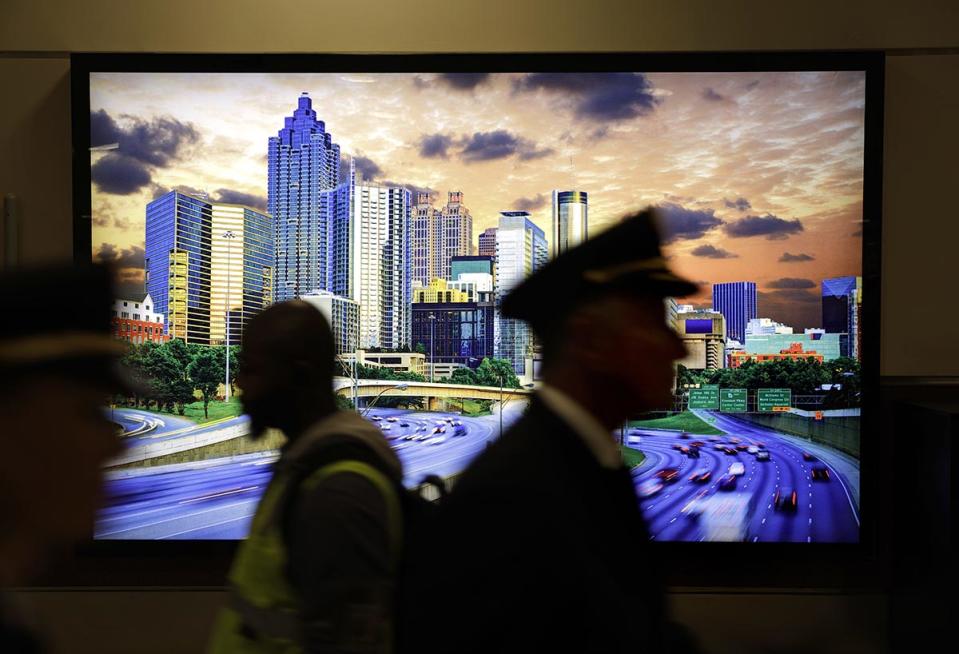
420,348
464,376
493,372
207,371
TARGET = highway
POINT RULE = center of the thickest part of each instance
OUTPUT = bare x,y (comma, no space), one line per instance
826,510
216,499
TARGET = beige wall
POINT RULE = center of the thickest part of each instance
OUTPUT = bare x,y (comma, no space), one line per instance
922,132
921,173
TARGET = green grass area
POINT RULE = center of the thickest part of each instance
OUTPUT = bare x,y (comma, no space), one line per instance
631,457
685,421
194,410
470,408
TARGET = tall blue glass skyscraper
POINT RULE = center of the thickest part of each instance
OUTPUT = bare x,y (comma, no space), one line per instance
177,261
302,163
737,302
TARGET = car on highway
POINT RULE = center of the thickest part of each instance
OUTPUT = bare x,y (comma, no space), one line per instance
391,419
459,429
684,436
683,449
737,469
786,500
697,444
727,483
760,444
676,446
693,453
649,487
752,449
439,430
719,447
730,451
762,455
386,427
404,424
375,417
733,439
701,476
668,475
457,423
742,447
820,473
808,456
410,437
439,440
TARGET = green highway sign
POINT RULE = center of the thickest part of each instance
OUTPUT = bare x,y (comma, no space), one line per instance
706,397
732,400
774,399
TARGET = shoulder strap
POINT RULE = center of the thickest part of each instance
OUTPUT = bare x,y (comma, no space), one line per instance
386,487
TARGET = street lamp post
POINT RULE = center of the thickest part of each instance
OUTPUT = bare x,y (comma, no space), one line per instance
432,318
398,387
229,236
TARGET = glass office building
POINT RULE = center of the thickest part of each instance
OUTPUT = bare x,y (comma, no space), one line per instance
177,263
302,162
521,249
570,220
737,302
841,309
471,264
458,332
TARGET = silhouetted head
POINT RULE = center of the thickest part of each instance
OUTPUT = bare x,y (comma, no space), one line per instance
599,312
286,370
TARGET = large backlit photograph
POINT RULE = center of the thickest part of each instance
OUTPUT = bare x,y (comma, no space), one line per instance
405,206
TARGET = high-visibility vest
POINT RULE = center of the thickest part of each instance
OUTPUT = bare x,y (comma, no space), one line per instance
262,615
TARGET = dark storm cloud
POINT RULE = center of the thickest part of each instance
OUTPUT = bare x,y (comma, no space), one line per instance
464,81
791,283
682,223
711,252
103,129
529,204
435,146
119,174
795,258
711,95
131,257
739,203
142,147
770,226
602,96
366,168
499,144
231,196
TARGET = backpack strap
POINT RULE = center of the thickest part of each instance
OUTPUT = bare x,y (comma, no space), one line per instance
387,488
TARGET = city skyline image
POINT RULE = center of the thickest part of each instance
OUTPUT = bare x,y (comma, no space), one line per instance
758,175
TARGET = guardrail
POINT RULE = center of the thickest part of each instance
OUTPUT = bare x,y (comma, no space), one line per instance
181,444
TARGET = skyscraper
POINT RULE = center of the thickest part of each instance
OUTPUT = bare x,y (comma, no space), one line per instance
438,235
521,249
841,308
177,265
378,266
196,274
302,162
241,278
487,242
343,314
737,302
457,225
471,264
570,220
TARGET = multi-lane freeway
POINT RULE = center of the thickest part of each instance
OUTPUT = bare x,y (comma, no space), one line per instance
825,509
216,498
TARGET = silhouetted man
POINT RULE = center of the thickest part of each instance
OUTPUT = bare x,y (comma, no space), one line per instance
541,545
55,378
317,571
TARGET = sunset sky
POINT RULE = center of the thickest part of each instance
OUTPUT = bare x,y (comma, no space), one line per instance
759,174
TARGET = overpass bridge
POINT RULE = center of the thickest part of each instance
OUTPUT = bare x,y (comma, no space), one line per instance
434,392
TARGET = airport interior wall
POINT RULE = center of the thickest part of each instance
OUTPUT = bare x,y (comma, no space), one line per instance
920,232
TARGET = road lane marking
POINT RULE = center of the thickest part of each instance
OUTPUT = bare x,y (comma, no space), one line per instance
755,538
235,491
764,520
215,524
